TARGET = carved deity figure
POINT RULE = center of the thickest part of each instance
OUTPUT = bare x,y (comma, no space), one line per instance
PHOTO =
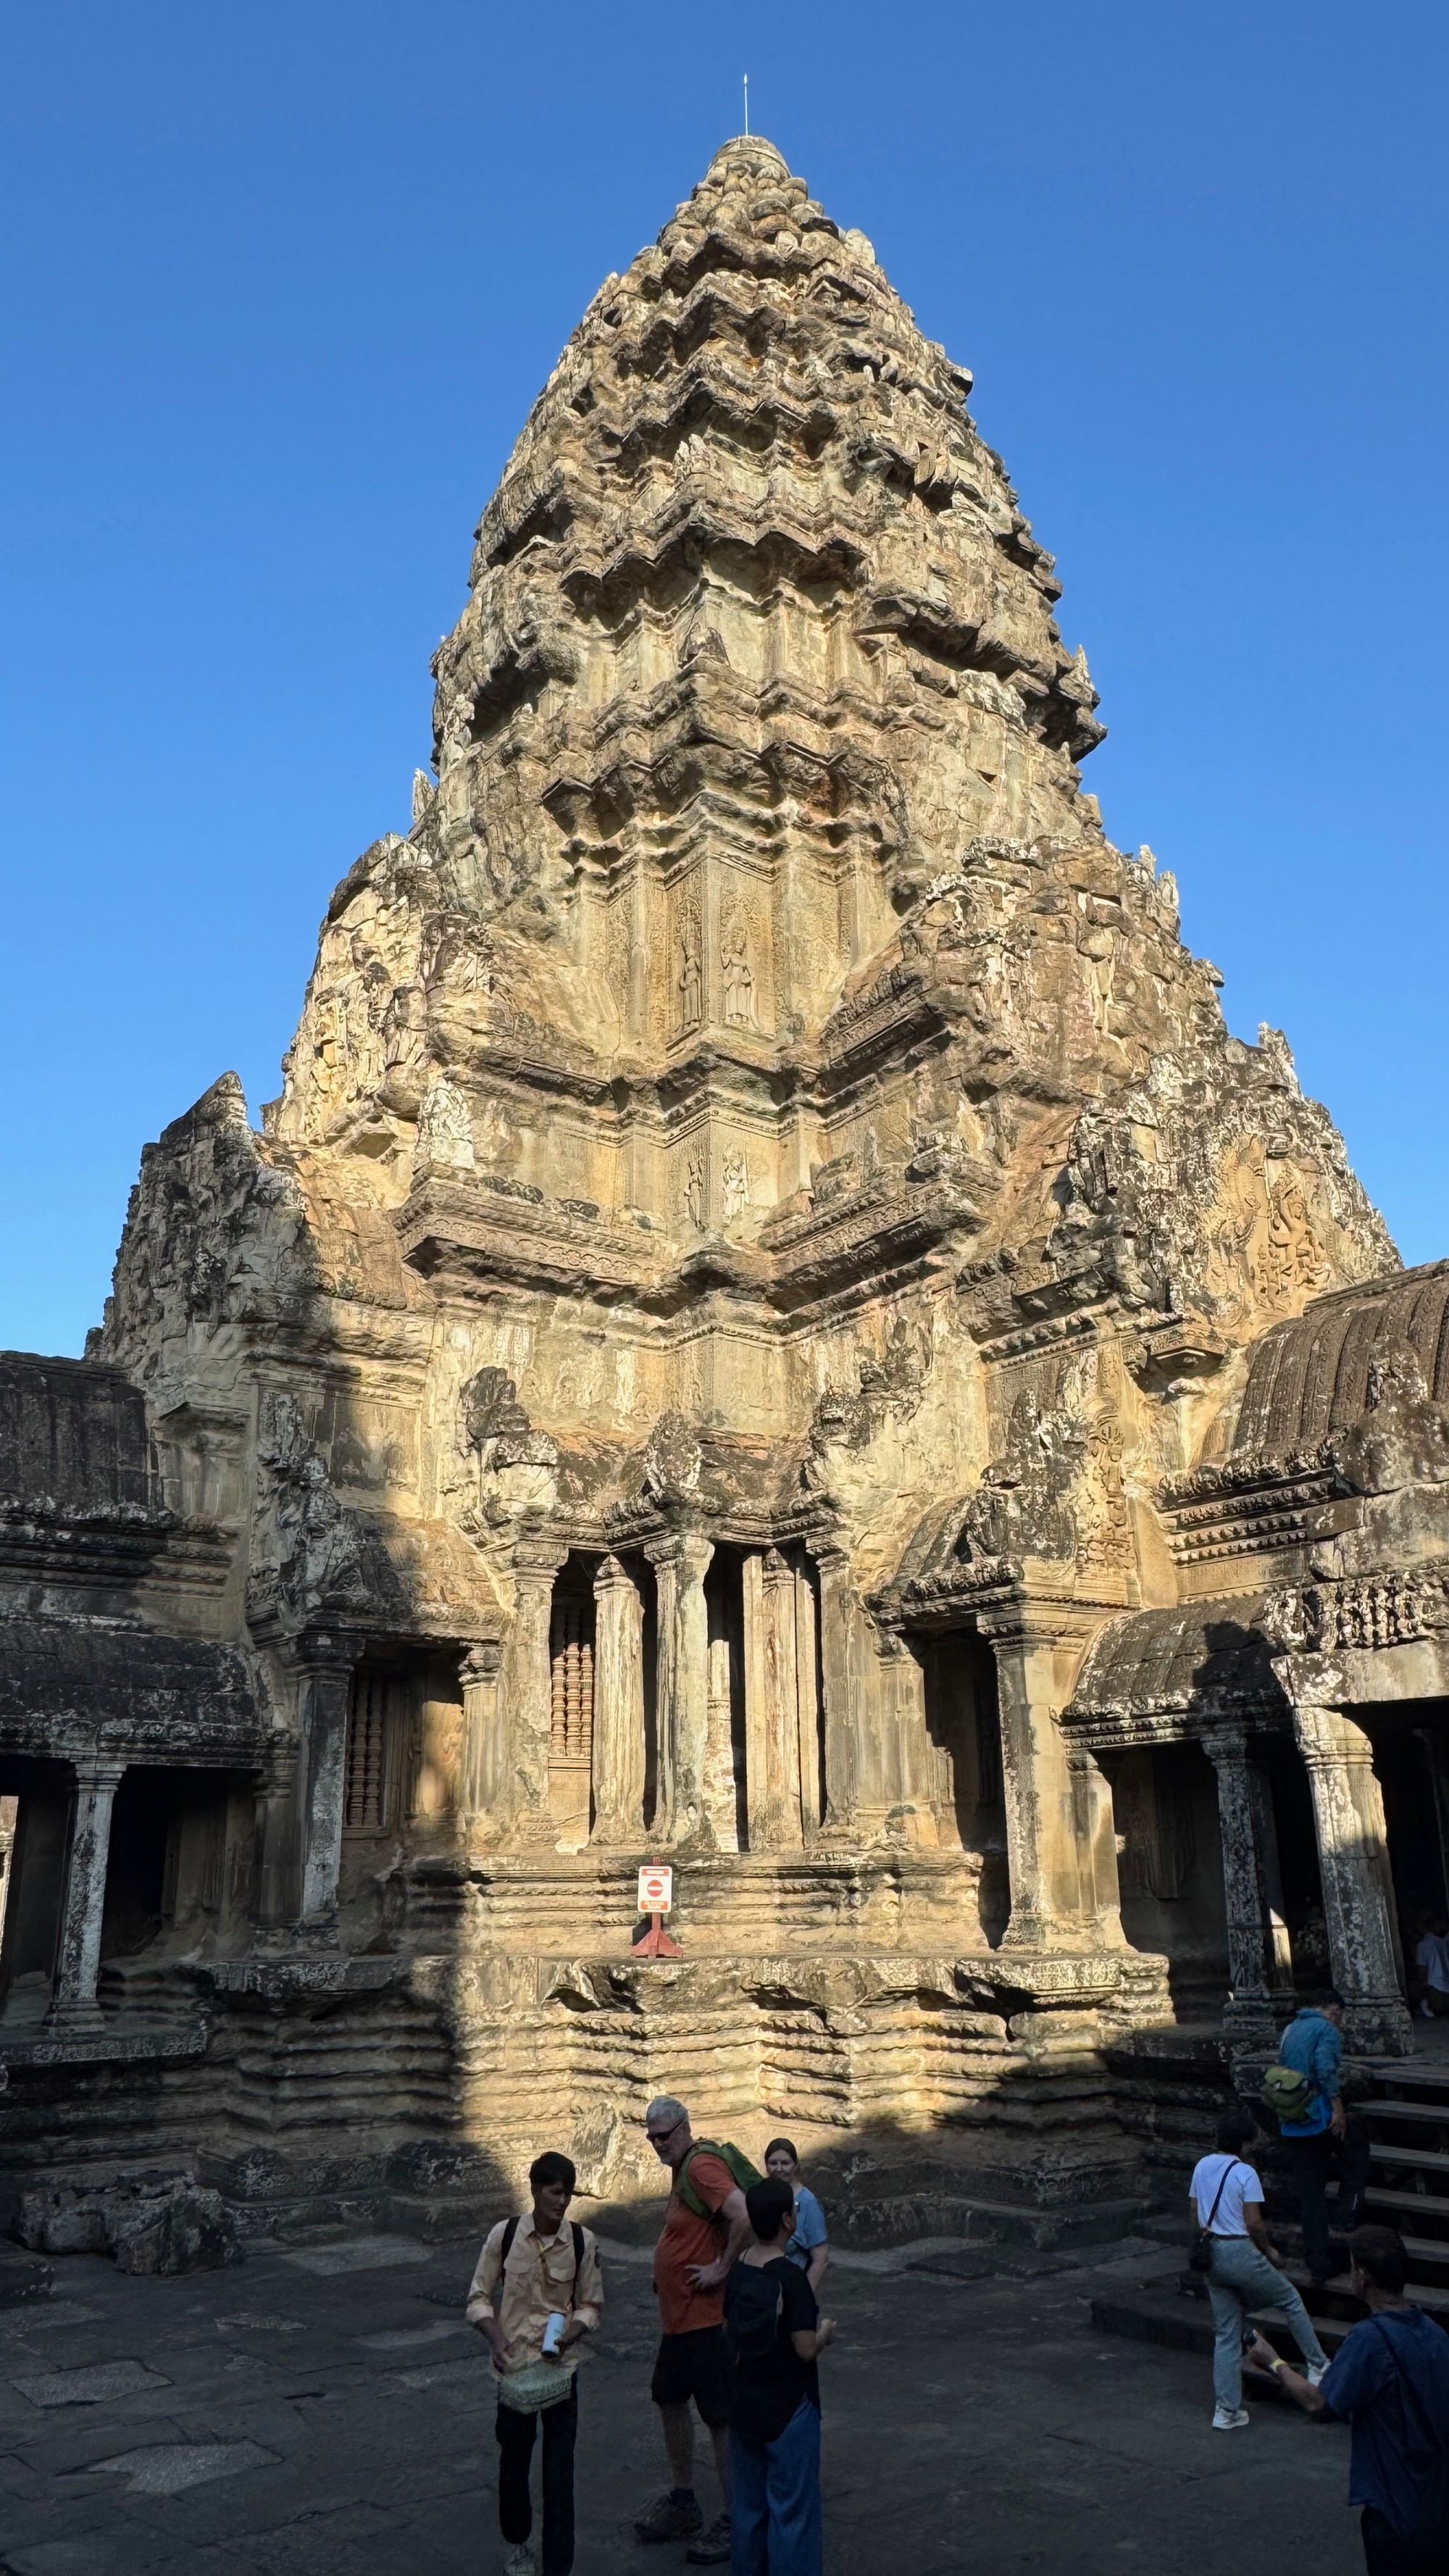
689,981
1292,1259
735,1185
694,1191
738,974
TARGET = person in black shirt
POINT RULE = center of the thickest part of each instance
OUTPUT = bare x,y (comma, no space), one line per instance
775,2333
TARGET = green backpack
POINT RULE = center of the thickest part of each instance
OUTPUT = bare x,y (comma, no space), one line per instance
738,2163
1288,2095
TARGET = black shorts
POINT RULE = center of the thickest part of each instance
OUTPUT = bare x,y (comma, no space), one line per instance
694,2365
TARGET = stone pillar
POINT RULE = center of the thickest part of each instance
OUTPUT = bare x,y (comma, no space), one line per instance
680,1564
1255,2003
618,1706
75,2002
807,1700
1096,1829
1280,1947
772,1704
526,1692
1348,1814
277,1848
327,1686
1041,1806
480,1784
842,1767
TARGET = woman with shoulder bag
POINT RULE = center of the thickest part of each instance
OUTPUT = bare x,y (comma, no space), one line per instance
1242,2267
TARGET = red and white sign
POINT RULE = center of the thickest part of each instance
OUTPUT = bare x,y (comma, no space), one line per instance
656,1888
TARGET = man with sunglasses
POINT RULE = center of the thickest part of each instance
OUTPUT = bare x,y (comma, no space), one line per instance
691,2263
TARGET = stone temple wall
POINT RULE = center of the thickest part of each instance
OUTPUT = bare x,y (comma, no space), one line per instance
763,1225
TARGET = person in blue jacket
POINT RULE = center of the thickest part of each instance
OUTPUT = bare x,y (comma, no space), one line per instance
1389,2381
1312,2045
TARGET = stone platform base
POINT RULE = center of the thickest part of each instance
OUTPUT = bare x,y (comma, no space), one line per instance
928,2093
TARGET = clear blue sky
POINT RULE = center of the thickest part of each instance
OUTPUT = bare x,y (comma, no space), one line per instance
280,283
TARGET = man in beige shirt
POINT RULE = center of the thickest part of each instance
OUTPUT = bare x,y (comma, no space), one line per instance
532,2269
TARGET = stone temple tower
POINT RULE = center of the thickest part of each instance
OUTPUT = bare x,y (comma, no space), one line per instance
760,1202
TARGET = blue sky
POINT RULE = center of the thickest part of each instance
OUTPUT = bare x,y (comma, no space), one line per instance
280,283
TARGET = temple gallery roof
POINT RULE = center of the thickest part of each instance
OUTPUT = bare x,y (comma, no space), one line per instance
1203,1659
1311,1376
118,1687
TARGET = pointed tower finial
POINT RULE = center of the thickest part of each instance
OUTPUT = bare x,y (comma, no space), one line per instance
747,102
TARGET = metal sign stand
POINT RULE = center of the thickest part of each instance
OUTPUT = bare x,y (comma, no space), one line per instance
656,1896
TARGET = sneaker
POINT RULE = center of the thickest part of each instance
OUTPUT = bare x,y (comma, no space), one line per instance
1426,2012
666,2520
1230,2421
519,2561
712,2549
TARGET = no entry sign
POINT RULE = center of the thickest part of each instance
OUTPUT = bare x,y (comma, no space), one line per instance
656,1888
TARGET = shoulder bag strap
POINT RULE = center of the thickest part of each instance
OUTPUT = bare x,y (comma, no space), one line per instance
509,2233
577,2233
1217,2195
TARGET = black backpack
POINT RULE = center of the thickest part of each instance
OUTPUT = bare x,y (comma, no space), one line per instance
756,2304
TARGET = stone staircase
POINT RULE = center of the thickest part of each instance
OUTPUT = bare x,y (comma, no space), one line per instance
1408,2119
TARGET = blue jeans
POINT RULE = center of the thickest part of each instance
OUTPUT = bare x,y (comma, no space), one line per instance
1241,2278
775,2514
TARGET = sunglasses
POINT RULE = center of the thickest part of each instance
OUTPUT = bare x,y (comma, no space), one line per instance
659,2138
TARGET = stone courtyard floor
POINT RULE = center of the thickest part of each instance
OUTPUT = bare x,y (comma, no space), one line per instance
325,2413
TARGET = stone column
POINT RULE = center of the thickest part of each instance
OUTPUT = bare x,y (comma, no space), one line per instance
277,1848
1280,1947
772,1704
1348,1815
842,1766
1041,1818
327,1662
1096,1827
680,1564
526,1692
75,2001
807,1699
1253,2003
480,1784
618,1706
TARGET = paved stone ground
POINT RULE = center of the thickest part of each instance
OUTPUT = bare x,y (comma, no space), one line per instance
322,2413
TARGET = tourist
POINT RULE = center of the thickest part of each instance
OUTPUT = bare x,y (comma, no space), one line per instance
809,2242
1389,2380
775,2334
1228,2199
1431,1966
692,2259
536,2293
1312,2045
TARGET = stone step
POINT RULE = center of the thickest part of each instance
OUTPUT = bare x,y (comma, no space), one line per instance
1153,2315
1411,2206
1429,2115
1423,2159
898,2218
1427,2081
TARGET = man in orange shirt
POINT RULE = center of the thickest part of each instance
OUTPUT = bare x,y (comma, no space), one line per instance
691,2262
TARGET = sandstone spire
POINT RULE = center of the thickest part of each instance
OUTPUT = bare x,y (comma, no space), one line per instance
757,740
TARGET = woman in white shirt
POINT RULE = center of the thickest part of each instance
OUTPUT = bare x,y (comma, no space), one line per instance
1227,2200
